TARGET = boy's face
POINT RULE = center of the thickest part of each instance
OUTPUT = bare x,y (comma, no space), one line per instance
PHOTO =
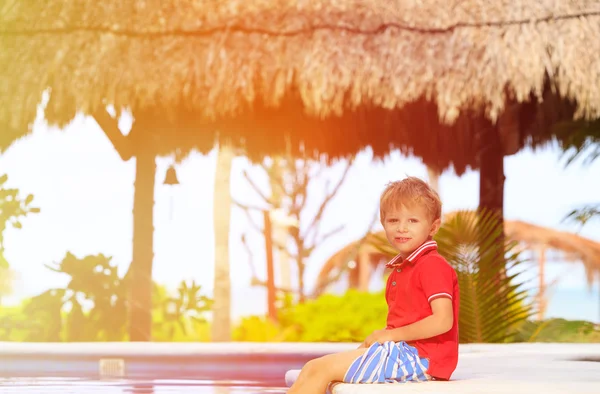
407,227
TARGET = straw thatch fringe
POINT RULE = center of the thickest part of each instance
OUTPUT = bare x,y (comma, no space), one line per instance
280,65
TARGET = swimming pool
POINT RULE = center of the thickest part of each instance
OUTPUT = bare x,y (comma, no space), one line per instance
203,368
243,368
64,385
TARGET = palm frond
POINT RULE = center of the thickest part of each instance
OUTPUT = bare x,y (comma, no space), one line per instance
584,214
579,139
493,298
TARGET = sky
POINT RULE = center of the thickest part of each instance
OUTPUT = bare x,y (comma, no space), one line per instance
85,192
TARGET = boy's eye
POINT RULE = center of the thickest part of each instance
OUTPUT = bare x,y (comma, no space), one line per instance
413,220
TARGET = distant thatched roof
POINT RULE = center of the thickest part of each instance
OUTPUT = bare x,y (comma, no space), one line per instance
573,248
423,76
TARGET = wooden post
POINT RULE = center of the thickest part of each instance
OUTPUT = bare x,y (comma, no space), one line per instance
272,312
491,180
221,324
542,291
140,312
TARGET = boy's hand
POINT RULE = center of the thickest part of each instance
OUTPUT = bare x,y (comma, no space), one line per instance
380,336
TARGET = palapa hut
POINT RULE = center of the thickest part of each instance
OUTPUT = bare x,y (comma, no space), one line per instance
360,259
458,83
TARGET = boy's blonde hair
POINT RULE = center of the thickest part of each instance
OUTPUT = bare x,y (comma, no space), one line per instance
409,191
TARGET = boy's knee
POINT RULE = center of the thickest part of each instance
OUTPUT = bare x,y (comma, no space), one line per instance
313,367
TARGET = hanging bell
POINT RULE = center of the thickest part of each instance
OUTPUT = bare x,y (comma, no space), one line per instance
171,177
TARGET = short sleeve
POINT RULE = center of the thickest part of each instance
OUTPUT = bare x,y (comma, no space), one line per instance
437,278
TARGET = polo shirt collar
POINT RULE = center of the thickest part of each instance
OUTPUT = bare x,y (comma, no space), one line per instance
420,251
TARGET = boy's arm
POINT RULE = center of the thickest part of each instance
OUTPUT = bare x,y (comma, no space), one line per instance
439,322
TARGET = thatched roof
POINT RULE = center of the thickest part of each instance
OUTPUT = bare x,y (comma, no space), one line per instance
422,76
572,247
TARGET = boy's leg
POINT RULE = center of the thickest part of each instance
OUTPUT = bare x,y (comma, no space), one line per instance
317,373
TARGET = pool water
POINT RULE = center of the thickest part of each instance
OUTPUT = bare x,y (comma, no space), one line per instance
62,385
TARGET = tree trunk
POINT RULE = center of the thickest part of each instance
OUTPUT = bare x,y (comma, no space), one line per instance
491,174
300,264
280,229
491,181
268,232
140,302
221,325
542,300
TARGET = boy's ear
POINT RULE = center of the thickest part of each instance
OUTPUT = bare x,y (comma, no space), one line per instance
435,226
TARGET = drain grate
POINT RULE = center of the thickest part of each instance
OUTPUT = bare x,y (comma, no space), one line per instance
112,367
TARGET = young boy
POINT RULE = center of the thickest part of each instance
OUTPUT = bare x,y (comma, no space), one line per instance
420,341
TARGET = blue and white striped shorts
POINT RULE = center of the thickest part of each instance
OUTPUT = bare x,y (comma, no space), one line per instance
392,362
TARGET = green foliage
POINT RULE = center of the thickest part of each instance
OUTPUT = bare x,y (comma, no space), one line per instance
258,329
558,330
348,318
492,302
44,317
329,318
7,277
181,318
13,209
94,307
95,297
36,320
12,322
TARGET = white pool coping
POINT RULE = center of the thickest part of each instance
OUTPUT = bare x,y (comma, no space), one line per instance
508,369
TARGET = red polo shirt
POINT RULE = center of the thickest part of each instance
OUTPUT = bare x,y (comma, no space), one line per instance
413,284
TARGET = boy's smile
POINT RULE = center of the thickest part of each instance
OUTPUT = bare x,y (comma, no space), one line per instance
408,227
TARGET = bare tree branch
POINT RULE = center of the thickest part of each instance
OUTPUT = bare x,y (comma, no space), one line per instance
351,257
256,282
300,171
325,236
313,226
250,255
247,207
110,127
300,190
249,216
277,180
256,188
